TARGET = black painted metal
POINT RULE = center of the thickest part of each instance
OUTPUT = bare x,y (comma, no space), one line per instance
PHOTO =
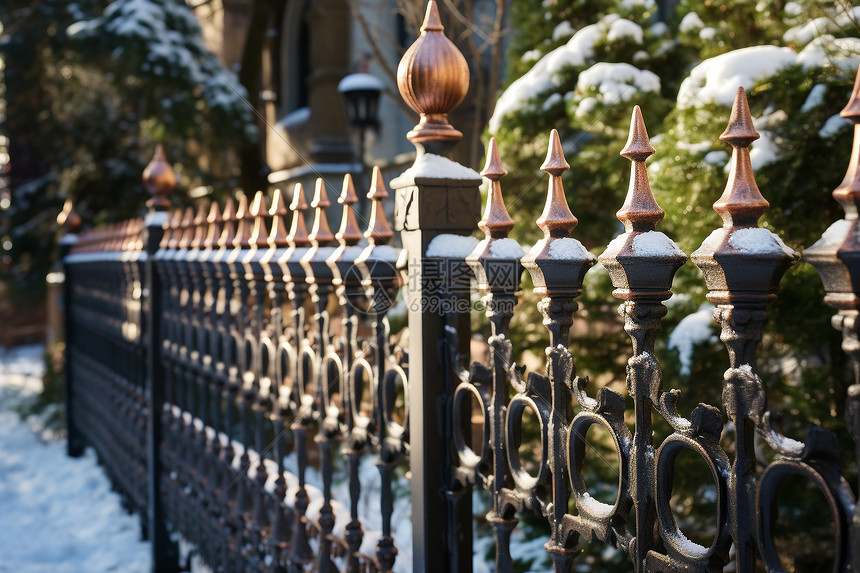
214,367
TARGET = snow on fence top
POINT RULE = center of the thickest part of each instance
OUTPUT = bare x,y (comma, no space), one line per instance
436,166
360,82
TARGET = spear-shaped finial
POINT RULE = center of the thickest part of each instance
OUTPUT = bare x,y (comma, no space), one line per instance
742,203
320,232
848,191
349,233
174,232
258,211
378,231
187,228
640,211
228,225
496,222
556,219
199,226
278,233
298,231
213,230
852,109
243,224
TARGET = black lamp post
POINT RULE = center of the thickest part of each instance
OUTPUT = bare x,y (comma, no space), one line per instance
361,95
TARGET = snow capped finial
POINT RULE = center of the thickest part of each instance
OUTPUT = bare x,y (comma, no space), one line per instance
852,110
740,131
159,180
258,211
298,231
496,222
213,229
741,204
228,224
556,219
349,233
378,231
640,211
320,232
278,234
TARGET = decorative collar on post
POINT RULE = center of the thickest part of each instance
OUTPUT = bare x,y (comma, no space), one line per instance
740,261
433,78
642,261
159,180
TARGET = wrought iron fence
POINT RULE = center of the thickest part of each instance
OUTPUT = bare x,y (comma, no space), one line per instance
208,346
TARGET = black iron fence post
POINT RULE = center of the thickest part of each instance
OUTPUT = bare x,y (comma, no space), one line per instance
436,199
70,221
159,180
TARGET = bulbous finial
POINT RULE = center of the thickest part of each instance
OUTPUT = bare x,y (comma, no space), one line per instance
278,233
320,232
159,180
378,230
298,230
213,230
556,219
741,204
349,233
68,218
496,221
433,78
640,211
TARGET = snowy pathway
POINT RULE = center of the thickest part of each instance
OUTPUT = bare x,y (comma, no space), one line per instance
57,514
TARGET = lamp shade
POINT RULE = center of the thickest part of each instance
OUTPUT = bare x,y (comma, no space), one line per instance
361,95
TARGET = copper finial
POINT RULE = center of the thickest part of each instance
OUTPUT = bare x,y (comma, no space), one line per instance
852,110
349,233
640,211
228,225
213,228
556,219
496,221
174,230
187,228
200,227
320,232
243,224
159,180
433,79
298,231
378,230
68,218
741,204
278,233
258,211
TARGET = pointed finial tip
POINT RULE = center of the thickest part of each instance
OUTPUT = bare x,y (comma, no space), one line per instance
555,163
432,22
493,169
347,193
320,199
638,147
740,131
852,109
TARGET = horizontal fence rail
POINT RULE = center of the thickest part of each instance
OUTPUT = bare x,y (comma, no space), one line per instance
219,357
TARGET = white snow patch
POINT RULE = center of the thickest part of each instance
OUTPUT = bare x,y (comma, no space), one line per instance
717,79
718,157
568,249
793,9
530,55
451,246
623,28
506,249
655,244
690,23
563,30
707,33
806,32
436,167
826,51
833,124
617,81
294,118
578,51
659,29
757,241
360,82
644,4
551,101
835,234
694,329
764,150
815,97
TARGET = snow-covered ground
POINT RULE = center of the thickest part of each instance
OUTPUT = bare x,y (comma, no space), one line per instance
57,514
